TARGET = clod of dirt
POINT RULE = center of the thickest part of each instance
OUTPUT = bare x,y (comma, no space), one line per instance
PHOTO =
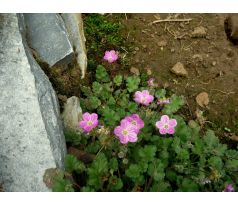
179,70
202,99
200,118
234,138
214,63
231,28
149,71
135,71
162,43
199,32
81,155
198,57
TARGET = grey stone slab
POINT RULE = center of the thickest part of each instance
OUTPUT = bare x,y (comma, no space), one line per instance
31,134
74,25
47,35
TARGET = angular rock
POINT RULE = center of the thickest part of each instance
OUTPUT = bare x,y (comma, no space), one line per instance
47,35
74,26
31,138
135,70
231,28
72,113
179,70
199,32
202,99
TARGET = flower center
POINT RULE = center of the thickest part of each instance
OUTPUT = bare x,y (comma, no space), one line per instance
133,122
166,126
125,132
89,123
143,99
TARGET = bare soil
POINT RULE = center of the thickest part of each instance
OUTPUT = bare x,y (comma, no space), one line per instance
210,60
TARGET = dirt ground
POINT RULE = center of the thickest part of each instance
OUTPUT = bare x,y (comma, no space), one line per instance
210,60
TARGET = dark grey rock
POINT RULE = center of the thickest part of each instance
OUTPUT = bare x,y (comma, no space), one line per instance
31,135
47,35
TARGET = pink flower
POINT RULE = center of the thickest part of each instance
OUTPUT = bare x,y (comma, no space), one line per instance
166,125
229,188
135,121
110,56
89,122
163,101
151,82
125,132
143,97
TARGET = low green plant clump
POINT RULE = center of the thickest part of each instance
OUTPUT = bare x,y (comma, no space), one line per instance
101,32
187,160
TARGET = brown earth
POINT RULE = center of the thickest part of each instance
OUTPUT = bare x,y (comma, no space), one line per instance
210,60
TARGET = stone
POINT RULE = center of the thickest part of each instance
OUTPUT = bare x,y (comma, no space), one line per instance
32,138
214,63
137,48
202,99
199,32
198,57
72,113
162,43
179,70
47,36
74,25
135,70
231,28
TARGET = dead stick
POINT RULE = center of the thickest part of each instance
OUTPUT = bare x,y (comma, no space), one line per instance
170,20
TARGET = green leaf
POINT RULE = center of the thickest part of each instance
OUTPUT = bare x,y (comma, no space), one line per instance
132,107
72,137
113,164
189,185
176,103
118,80
215,162
97,88
160,93
133,171
132,83
101,74
156,170
86,91
94,102
97,170
115,183
148,152
73,164
62,185
110,116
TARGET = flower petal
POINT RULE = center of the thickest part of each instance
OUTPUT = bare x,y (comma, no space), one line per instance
118,130
86,116
145,92
170,130
172,122
132,137
82,124
165,119
159,124
94,117
163,131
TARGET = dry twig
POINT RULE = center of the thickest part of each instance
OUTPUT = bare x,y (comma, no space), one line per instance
170,20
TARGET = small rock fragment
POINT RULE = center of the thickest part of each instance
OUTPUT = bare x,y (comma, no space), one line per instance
199,32
202,99
162,43
135,70
198,57
137,49
214,63
179,70
72,113
149,71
